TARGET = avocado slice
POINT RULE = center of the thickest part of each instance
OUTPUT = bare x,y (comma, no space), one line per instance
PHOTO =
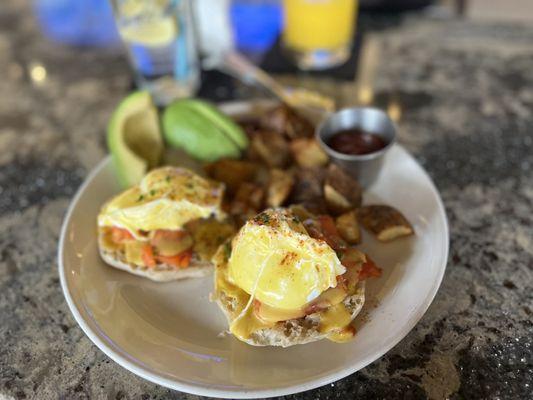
134,138
232,130
184,127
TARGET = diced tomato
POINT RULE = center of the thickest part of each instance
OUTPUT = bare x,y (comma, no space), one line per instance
369,270
186,258
181,260
330,232
148,256
119,235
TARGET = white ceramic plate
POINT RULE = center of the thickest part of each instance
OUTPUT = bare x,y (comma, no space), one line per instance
168,333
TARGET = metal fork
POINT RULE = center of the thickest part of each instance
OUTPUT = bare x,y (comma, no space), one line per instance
239,67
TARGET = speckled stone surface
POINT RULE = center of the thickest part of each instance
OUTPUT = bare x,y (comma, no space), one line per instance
465,91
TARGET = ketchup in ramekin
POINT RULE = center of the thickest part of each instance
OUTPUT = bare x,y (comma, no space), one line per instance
356,141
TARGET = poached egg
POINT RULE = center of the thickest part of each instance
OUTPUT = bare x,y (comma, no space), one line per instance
166,198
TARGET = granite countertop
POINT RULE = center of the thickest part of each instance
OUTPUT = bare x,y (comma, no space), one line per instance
465,95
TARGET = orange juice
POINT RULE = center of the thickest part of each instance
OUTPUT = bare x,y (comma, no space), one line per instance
312,25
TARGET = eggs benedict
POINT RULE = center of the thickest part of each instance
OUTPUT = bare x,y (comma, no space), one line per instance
165,228
288,279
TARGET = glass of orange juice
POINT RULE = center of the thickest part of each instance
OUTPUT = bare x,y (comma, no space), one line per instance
318,33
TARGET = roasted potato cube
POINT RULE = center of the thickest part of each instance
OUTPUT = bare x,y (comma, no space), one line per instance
271,148
336,202
341,191
348,227
262,176
284,120
233,173
249,125
249,198
279,187
308,153
386,222
308,189
275,120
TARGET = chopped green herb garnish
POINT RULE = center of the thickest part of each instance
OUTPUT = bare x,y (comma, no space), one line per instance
152,192
140,198
167,178
262,219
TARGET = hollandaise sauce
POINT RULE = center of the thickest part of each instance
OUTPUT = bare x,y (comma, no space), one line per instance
166,198
171,215
274,272
249,315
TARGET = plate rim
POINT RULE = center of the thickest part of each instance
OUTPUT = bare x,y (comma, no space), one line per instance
199,389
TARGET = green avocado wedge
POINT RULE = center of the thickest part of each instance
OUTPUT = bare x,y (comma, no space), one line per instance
186,128
222,121
134,138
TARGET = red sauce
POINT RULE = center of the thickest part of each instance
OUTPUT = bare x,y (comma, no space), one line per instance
356,141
